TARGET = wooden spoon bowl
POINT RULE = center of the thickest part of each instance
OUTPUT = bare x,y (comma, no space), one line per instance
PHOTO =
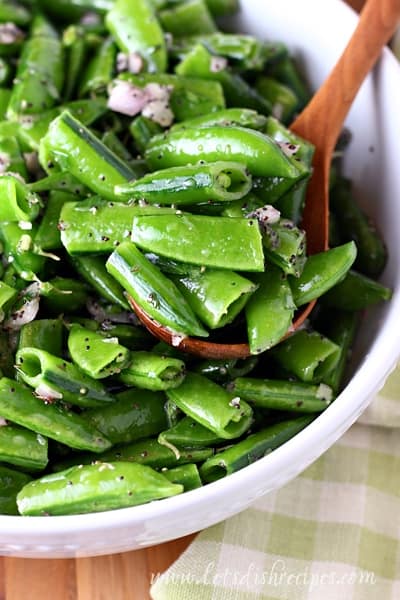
320,122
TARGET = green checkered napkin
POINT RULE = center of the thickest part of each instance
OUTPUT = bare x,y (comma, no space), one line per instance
331,534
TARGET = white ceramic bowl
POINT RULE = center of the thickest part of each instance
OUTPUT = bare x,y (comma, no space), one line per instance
316,32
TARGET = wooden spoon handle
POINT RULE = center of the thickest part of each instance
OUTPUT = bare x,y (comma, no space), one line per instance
377,23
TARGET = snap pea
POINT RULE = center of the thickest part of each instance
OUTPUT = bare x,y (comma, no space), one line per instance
282,99
137,30
58,379
284,69
186,475
221,370
321,272
188,433
73,10
39,77
187,18
199,62
112,141
70,146
93,270
11,157
23,448
98,226
74,42
59,182
212,406
156,294
354,225
20,405
145,452
254,447
241,117
258,152
7,294
45,334
11,12
285,246
142,130
100,70
95,355
11,482
356,292
221,181
48,235
283,395
19,249
308,355
152,371
4,94
64,294
135,414
17,201
269,312
204,241
216,296
77,489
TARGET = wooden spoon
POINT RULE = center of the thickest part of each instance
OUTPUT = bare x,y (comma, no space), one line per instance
321,123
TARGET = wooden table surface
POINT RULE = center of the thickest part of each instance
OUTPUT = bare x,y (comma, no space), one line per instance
117,577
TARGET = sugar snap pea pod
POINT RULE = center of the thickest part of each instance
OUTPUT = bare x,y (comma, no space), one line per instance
356,292
58,379
254,447
200,63
216,296
17,201
63,182
145,452
7,295
321,272
258,152
95,355
11,12
112,141
73,10
188,433
100,70
151,371
93,270
355,225
203,240
136,414
285,71
11,158
245,51
11,482
142,129
270,310
155,293
221,370
190,97
74,42
218,8
341,327
186,475
221,181
136,29
94,488
20,405
282,99
187,18
70,146
23,448
98,226
285,246
48,235
308,355
64,294
34,128
39,77
283,395
130,336
4,98
242,117
212,406
19,249
280,133
45,334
